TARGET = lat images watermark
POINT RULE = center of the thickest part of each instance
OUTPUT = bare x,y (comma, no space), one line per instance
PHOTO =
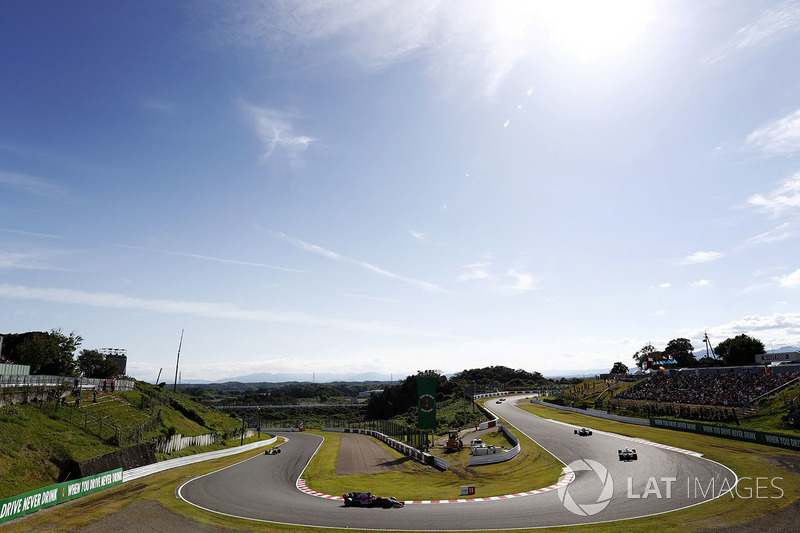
596,481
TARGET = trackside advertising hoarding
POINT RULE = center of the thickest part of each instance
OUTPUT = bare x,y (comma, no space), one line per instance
426,398
729,432
30,502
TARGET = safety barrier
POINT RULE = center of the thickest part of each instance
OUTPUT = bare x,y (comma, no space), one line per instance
505,455
595,413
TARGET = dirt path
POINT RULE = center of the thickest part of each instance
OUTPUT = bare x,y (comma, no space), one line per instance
360,454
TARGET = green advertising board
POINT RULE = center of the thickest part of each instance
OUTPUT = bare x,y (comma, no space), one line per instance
34,500
729,432
426,402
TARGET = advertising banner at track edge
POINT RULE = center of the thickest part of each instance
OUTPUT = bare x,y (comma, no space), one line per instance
34,500
729,432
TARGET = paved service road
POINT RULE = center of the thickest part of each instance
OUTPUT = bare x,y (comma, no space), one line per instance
264,487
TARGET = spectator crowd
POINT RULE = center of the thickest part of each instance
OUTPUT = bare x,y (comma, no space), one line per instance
720,389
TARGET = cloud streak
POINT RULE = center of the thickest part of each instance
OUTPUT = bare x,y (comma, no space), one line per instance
319,250
210,258
31,185
781,136
193,308
770,27
784,198
702,257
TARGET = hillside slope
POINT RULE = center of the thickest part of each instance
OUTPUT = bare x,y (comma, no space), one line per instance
42,443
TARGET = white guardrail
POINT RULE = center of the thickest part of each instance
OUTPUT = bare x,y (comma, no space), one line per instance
499,457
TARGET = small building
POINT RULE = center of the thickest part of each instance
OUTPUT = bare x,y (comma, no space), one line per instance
369,393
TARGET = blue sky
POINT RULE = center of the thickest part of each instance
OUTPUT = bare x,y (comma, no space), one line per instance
386,186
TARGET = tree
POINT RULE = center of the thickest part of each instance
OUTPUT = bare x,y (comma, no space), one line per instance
645,353
740,350
93,364
50,353
681,350
619,368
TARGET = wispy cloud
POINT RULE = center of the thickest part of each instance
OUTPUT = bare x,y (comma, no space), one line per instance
700,283
524,282
777,325
158,105
785,197
781,136
771,26
419,235
792,280
275,130
776,234
701,257
30,233
28,261
665,285
193,308
32,185
319,250
473,43
210,258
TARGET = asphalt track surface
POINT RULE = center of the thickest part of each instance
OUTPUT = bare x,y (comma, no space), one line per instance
661,480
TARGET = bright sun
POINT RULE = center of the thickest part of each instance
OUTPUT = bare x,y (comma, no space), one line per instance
588,29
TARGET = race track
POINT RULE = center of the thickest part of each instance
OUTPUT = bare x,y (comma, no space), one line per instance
264,487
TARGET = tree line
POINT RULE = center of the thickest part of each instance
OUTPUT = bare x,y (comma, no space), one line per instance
734,351
52,353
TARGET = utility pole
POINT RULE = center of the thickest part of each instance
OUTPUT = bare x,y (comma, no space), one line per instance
175,384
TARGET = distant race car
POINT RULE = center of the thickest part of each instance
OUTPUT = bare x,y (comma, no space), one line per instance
583,432
498,401
628,454
367,499
272,451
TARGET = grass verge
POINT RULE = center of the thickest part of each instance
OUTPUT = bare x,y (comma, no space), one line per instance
533,468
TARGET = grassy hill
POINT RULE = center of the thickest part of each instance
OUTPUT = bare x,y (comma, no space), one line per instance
41,443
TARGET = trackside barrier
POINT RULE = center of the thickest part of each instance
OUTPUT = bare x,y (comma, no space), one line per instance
32,501
595,413
505,455
781,440
405,449
492,420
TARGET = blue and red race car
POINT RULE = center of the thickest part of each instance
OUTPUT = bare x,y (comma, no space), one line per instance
367,499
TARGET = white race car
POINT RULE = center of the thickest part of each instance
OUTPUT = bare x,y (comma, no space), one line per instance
628,454
583,432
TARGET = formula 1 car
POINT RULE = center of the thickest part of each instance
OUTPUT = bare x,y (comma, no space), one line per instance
272,451
367,499
628,454
583,432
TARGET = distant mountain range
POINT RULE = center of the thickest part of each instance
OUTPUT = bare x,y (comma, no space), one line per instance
265,377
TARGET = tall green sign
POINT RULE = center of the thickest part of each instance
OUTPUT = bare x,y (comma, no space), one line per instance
426,402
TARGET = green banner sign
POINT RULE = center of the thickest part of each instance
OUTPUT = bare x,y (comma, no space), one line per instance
426,402
30,502
729,432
